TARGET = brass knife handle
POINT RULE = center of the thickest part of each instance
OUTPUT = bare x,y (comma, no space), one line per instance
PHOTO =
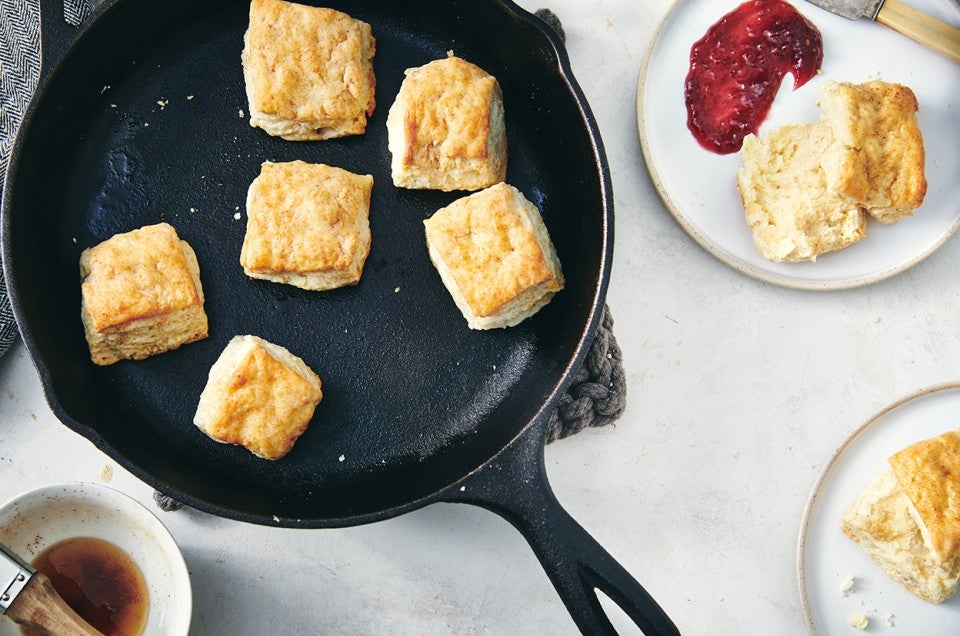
919,27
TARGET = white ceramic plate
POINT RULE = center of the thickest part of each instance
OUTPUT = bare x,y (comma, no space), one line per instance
39,518
699,187
826,557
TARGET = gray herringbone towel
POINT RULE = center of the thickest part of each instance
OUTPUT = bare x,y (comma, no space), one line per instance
598,393
19,73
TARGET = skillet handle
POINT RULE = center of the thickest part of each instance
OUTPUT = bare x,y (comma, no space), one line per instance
514,485
56,35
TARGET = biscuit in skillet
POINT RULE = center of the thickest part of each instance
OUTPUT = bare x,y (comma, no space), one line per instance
308,71
495,256
258,395
446,128
307,225
140,295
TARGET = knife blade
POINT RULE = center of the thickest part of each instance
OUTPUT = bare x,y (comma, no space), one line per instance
916,25
851,9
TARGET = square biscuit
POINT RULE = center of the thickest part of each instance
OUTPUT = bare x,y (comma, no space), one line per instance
446,128
495,256
877,156
308,71
258,395
908,518
929,474
791,212
307,225
140,295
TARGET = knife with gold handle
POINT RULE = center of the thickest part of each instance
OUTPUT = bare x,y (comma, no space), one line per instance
916,25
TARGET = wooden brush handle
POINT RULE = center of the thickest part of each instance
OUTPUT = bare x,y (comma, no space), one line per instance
918,26
39,607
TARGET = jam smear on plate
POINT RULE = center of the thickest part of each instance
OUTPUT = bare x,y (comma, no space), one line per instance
737,66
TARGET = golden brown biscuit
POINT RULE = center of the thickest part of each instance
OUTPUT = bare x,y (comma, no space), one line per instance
258,395
877,156
307,225
792,213
908,518
141,295
308,71
929,474
495,257
446,128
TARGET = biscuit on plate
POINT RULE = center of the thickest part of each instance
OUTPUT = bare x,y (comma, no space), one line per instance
876,157
908,518
495,256
140,295
307,225
308,71
792,213
445,128
258,395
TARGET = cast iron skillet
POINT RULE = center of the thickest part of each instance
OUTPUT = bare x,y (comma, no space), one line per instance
140,118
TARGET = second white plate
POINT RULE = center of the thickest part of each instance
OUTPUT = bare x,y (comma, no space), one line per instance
826,557
699,187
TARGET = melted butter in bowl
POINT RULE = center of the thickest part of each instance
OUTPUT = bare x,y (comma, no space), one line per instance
100,582
113,556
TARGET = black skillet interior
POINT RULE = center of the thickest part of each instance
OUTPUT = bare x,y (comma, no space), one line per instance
145,121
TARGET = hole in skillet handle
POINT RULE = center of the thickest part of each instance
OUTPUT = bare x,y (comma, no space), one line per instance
514,485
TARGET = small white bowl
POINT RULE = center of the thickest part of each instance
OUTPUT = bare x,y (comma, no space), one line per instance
37,519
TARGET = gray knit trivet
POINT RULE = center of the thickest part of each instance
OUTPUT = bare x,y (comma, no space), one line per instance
598,393
552,21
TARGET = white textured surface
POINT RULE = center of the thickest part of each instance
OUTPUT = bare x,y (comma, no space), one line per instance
739,392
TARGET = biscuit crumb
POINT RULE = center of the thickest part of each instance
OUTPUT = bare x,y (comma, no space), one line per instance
106,474
342,457
888,620
848,585
396,290
236,216
189,97
241,113
859,620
